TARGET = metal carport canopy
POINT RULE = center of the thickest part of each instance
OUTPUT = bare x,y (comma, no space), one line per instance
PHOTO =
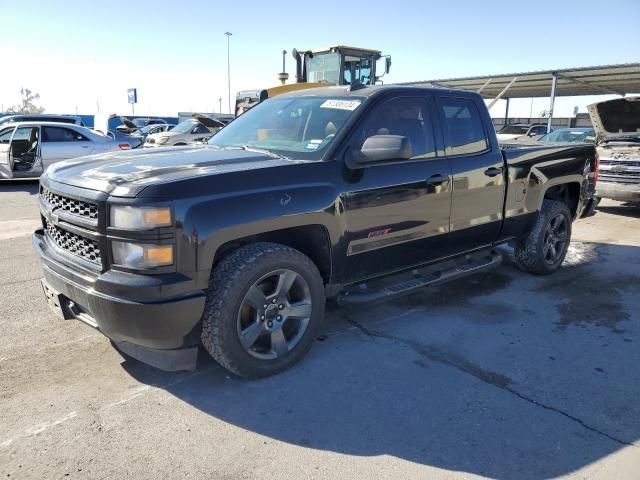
606,79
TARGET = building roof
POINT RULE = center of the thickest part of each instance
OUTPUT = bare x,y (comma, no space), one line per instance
606,79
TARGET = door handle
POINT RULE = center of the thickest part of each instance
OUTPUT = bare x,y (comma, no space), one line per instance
493,171
84,146
437,179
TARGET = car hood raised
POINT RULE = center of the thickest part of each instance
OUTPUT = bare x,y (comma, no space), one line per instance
127,173
616,118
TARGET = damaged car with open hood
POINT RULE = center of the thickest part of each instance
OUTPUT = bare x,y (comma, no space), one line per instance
617,125
199,128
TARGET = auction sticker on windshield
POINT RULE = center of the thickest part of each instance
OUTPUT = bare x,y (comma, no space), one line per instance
341,104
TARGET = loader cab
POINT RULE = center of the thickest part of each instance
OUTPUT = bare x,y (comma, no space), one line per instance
336,65
339,65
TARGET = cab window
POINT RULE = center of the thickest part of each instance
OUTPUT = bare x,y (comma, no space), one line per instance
463,126
406,116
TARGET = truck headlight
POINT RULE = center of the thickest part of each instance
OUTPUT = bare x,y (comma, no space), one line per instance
139,218
136,255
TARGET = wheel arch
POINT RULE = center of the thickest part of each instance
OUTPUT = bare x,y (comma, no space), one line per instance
568,192
313,240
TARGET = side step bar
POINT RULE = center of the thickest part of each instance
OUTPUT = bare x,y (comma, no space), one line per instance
463,267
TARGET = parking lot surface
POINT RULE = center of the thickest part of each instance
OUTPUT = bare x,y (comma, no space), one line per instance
499,375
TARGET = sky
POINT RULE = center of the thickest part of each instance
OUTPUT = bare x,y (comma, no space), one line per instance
81,56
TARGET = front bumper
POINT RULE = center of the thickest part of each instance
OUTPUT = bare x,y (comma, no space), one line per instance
622,192
153,318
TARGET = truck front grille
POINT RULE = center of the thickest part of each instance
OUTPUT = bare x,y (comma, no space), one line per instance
73,243
619,171
71,205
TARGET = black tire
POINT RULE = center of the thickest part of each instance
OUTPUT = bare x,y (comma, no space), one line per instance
533,253
229,288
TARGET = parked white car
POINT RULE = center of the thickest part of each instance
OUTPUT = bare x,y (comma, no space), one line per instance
521,132
28,148
196,129
40,117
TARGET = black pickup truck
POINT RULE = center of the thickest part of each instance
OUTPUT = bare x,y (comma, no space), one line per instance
355,194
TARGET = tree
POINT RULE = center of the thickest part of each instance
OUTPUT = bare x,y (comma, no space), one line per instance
27,104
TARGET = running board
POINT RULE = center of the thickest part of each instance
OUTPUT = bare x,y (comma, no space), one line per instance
462,267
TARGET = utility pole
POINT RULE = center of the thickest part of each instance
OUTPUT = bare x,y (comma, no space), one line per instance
228,34
283,76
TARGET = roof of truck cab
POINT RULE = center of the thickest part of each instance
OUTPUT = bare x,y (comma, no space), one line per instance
347,91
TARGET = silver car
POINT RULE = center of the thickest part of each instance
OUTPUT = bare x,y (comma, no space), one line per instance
40,117
28,148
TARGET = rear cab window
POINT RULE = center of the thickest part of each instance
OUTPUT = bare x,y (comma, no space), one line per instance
462,126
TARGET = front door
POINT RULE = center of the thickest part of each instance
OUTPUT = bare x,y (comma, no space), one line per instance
25,150
396,213
6,160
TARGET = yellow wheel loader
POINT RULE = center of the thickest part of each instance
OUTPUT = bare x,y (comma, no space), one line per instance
335,65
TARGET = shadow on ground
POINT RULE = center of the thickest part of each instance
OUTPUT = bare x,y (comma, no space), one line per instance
26,185
627,209
500,374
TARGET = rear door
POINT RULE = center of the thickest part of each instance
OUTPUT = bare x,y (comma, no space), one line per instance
397,213
477,168
6,160
62,143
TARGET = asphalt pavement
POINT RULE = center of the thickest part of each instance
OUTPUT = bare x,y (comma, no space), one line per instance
499,375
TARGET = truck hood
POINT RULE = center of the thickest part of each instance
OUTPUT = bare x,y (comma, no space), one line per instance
127,173
616,118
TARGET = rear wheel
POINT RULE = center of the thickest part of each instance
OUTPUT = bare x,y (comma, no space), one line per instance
544,248
264,306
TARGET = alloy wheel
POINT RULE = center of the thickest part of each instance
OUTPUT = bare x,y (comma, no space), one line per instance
274,314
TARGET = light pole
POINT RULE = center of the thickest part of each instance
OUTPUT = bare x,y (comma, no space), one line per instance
228,34
220,104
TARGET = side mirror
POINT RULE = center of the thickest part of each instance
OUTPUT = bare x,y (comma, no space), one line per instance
387,64
380,148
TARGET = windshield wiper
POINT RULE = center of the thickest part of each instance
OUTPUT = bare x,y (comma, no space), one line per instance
261,150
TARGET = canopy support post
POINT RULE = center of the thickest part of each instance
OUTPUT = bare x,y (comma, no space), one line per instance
506,113
554,82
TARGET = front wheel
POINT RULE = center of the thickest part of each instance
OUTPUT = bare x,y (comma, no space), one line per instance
543,250
264,306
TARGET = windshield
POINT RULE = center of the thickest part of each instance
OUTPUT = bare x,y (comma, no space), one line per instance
146,129
184,127
296,127
324,68
586,135
514,130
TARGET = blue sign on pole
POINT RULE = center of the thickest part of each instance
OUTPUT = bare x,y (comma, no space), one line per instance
132,93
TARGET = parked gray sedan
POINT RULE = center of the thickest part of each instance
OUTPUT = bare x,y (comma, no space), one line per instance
28,148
